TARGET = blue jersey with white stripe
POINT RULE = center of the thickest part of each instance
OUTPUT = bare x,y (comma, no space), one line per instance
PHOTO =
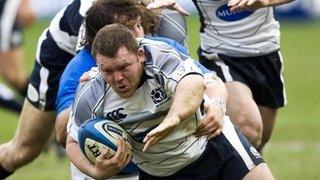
69,80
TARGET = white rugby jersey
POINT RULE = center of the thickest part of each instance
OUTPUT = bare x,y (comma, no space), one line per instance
236,34
65,26
139,114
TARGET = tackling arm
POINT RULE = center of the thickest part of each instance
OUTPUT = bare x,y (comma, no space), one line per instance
236,5
189,94
187,99
171,4
214,107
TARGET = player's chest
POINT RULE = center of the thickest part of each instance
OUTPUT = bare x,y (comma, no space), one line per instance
149,100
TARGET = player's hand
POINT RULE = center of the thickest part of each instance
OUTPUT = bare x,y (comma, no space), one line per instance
94,71
170,4
212,123
108,164
251,5
160,132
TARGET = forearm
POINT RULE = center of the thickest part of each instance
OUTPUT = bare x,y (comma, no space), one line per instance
215,88
214,107
78,159
278,2
238,5
61,127
188,97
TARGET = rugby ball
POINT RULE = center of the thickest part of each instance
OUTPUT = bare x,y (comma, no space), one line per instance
96,133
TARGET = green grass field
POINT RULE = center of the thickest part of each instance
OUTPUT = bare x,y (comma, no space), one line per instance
294,150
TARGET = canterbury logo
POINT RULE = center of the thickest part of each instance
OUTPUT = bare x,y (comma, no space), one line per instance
116,115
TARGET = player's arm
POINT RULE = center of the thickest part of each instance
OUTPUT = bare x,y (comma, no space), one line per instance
105,166
69,82
236,5
187,99
214,107
77,158
61,126
171,4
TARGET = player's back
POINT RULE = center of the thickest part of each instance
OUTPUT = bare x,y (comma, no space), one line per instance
237,34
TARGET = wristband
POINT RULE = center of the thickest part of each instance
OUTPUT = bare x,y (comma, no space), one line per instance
218,102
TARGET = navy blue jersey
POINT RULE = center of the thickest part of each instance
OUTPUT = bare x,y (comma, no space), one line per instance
65,26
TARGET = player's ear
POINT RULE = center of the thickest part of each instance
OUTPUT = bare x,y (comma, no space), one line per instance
141,55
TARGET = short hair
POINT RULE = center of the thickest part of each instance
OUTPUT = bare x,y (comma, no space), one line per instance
111,38
104,12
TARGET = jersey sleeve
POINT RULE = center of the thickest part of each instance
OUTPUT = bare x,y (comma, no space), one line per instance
81,109
183,68
171,42
167,64
80,104
88,98
69,80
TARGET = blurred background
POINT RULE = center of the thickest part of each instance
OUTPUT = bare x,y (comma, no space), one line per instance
294,149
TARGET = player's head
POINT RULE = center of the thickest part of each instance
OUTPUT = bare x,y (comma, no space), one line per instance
119,58
105,12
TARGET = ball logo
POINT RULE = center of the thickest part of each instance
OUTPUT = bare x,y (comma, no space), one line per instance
94,149
106,127
225,14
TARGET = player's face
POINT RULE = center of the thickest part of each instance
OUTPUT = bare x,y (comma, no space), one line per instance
137,28
122,72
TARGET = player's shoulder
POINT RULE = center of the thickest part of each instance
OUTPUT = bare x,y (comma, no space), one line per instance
157,52
155,44
91,89
88,95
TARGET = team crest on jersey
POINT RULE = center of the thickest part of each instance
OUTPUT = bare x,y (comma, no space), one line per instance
224,13
159,97
116,115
